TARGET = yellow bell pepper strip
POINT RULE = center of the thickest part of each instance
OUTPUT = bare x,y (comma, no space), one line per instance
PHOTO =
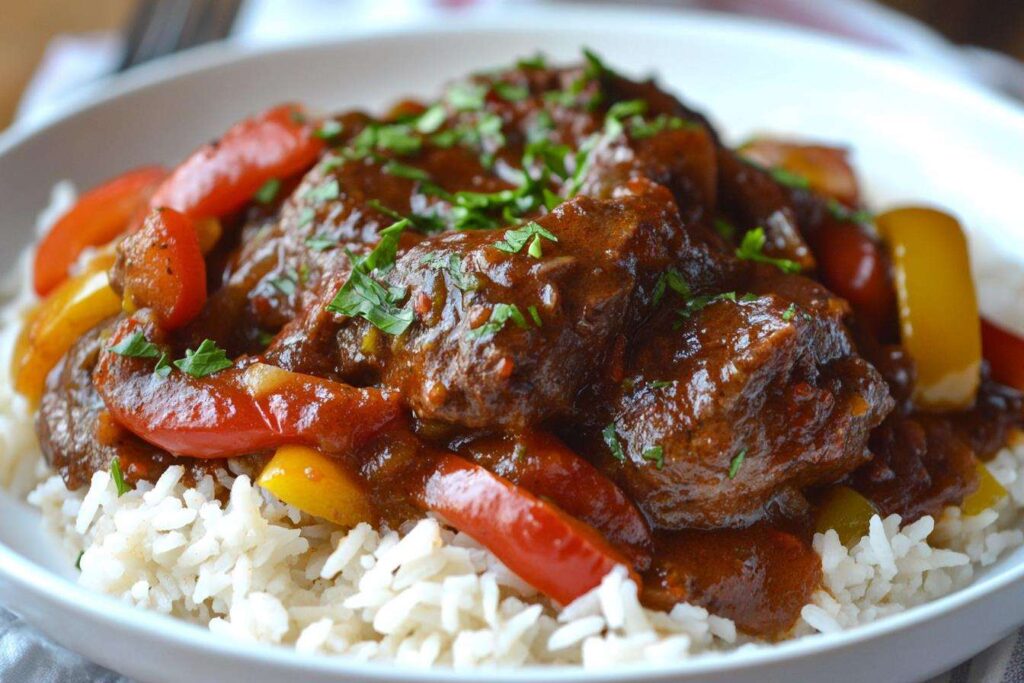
938,309
75,307
846,511
317,484
988,493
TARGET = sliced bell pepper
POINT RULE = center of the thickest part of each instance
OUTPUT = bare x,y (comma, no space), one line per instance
220,178
988,493
317,484
847,512
854,265
938,309
825,169
74,308
553,552
1004,352
236,411
99,215
544,466
163,268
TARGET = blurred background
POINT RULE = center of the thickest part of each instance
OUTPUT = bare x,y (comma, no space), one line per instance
52,48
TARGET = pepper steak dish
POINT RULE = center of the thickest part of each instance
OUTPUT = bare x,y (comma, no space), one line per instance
555,310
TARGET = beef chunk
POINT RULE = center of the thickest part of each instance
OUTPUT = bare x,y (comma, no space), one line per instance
746,400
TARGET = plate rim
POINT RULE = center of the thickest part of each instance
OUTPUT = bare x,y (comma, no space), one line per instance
53,588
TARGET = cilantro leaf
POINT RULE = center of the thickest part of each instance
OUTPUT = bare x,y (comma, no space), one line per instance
789,313
328,129
136,346
163,366
516,239
500,314
510,92
699,303
611,438
431,120
752,249
655,454
324,192
118,476
537,61
321,242
401,170
466,96
670,279
206,360
736,463
789,179
452,265
268,191
535,314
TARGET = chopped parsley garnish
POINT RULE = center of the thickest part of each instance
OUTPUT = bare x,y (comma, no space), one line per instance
324,192
163,366
660,384
551,155
264,338
594,67
789,313
537,61
268,191
656,454
78,560
737,463
842,212
425,223
670,279
748,297
328,129
789,179
752,249
510,92
452,265
611,438
431,120
399,138
699,303
206,360
466,96
641,129
401,170
532,232
535,315
118,476
500,314
136,346
725,229
321,242
287,282
620,110
306,216
364,297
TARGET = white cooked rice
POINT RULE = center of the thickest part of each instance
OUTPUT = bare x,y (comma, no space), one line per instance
254,568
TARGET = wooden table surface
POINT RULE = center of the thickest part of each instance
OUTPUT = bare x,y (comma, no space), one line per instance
27,25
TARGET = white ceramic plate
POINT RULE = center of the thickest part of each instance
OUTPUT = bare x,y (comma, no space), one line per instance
916,136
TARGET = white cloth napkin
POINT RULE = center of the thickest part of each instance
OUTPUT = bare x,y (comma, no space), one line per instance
73,62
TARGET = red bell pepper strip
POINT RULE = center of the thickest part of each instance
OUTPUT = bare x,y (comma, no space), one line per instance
553,552
546,467
854,265
236,411
1004,352
163,268
99,215
223,176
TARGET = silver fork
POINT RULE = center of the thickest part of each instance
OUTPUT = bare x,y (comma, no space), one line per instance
160,27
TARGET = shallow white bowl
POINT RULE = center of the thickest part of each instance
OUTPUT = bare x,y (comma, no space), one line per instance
916,135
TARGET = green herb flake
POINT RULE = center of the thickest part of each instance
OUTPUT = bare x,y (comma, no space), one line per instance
136,346
206,360
841,212
670,279
286,283
789,313
118,476
328,129
163,366
752,249
452,265
264,338
398,138
466,96
641,129
611,438
537,61
789,179
748,297
594,67
510,92
699,303
431,120
324,192
656,454
736,463
401,170
516,239
268,191
364,297
78,560
500,314
725,229
321,242
535,315
306,216
660,384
